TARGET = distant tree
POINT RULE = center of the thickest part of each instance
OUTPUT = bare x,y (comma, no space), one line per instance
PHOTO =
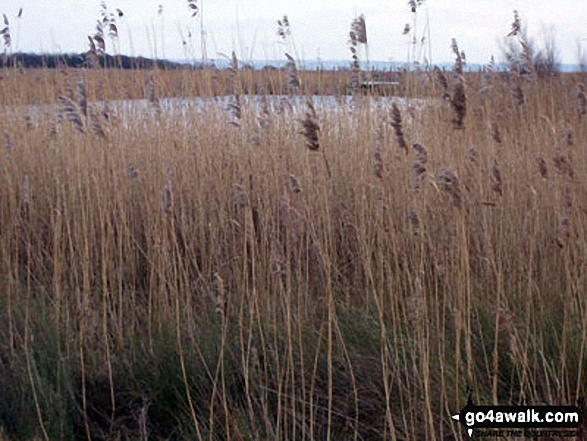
527,56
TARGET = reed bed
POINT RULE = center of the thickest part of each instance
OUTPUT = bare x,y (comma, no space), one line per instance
314,271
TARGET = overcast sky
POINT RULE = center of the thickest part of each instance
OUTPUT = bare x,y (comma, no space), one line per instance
319,27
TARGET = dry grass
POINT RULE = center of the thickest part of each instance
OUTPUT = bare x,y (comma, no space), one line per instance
297,276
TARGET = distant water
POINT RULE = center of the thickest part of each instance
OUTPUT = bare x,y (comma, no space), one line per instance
128,112
223,63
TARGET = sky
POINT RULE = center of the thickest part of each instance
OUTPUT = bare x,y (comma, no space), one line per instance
320,28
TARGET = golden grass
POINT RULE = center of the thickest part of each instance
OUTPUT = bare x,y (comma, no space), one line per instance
349,283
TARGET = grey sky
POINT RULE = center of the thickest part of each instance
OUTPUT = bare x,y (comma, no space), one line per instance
320,27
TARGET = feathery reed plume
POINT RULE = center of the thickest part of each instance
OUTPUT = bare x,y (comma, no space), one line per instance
166,204
277,258
496,181
294,185
413,4
104,114
563,164
7,144
472,161
513,65
109,21
283,28
582,99
504,319
487,77
516,25
105,27
264,116
29,122
357,35
527,60
133,173
441,79
311,127
495,133
396,123
311,131
235,106
72,113
220,296
355,70
565,226
240,197
419,171
414,220
459,103
5,32
542,168
473,156
416,305
459,61
98,38
192,5
518,93
421,153
82,100
152,96
378,160
565,220
407,29
24,194
359,28
68,89
96,125
92,58
292,73
449,182
568,136
419,166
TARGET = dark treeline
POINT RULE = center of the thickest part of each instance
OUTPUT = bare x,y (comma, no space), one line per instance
52,61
